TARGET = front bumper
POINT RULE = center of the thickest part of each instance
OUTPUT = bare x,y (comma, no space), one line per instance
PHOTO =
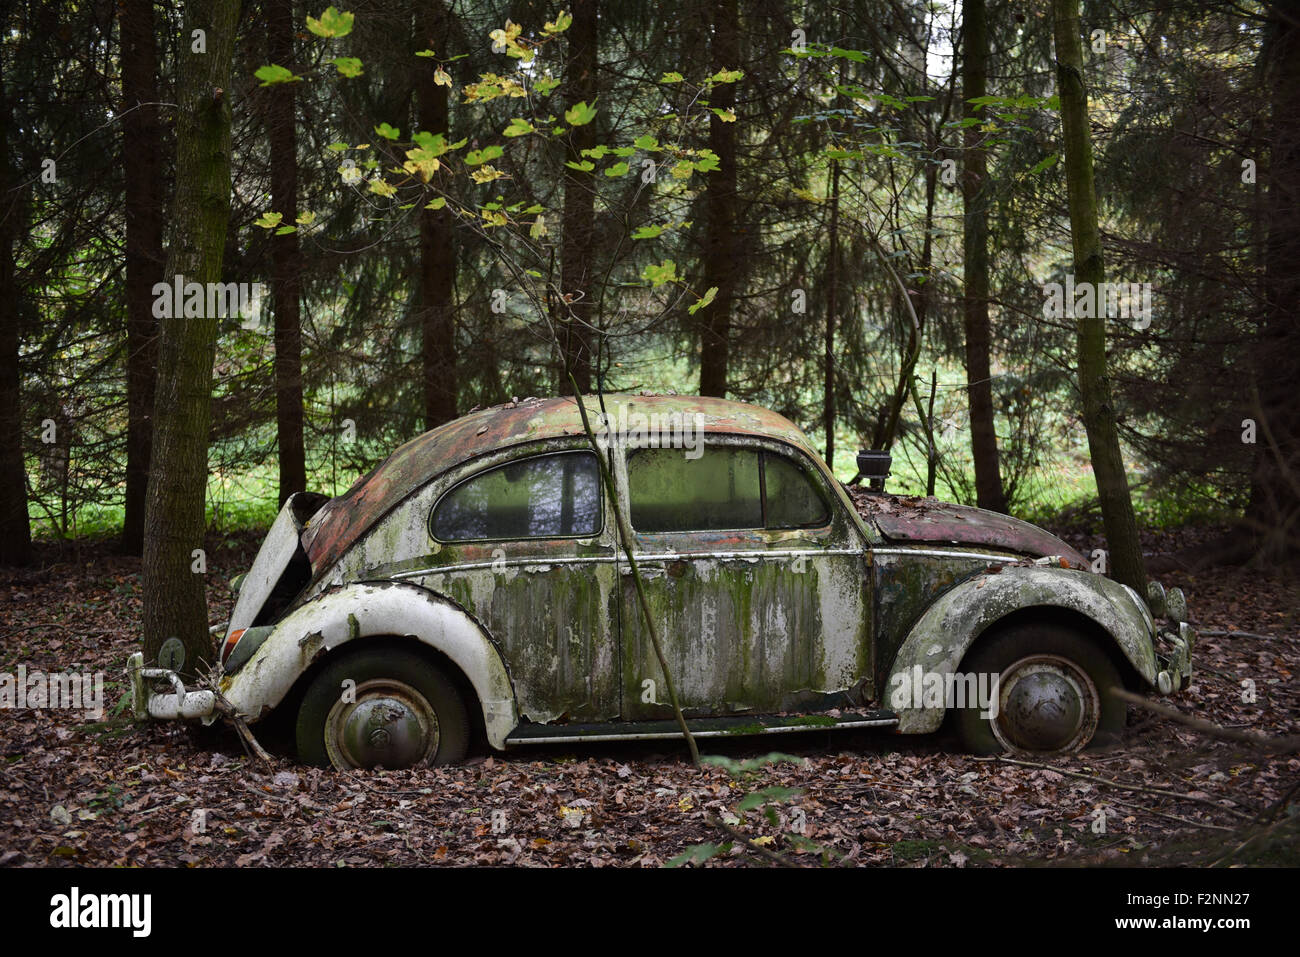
179,704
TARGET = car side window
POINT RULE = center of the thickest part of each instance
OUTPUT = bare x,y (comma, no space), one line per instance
671,492
725,488
546,496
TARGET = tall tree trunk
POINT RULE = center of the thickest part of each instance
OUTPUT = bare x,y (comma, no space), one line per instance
975,243
437,238
832,305
141,152
286,257
1273,516
579,201
887,421
1094,381
15,528
175,602
721,253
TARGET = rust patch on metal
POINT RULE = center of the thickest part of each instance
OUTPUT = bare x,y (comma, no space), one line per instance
916,519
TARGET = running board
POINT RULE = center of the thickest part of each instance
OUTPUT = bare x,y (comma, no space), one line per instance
732,726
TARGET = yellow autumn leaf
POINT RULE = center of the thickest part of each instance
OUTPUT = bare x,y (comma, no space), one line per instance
441,77
486,174
421,162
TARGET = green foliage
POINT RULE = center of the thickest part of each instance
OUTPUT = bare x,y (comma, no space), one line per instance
580,114
272,74
348,66
331,24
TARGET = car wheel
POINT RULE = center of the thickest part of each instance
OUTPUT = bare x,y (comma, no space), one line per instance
398,711
1053,693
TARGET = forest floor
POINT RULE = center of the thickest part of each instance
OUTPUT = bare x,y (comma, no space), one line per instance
80,791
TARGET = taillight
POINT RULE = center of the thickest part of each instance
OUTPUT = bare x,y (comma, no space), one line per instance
229,646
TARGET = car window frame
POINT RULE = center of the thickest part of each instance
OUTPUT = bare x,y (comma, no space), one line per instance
548,453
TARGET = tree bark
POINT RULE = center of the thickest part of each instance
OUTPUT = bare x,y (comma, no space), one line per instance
141,151
1272,518
437,237
721,252
975,244
175,602
1094,382
832,306
15,527
286,256
579,201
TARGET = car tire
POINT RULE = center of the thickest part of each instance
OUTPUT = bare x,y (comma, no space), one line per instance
399,711
1053,692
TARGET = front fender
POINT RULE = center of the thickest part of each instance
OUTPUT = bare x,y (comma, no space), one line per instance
939,640
370,609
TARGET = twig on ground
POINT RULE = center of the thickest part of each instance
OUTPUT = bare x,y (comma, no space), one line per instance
1172,817
1121,786
739,837
1209,728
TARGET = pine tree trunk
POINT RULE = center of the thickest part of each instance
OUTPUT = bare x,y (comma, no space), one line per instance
175,602
15,528
721,252
579,201
286,257
1094,382
141,152
832,308
1273,516
975,243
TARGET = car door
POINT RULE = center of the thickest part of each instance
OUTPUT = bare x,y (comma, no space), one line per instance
754,578
527,546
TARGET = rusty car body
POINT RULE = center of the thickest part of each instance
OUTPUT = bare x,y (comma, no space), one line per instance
475,583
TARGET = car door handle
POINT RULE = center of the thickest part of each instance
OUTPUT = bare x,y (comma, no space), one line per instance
626,570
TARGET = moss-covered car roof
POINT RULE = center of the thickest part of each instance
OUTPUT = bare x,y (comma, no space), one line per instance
333,530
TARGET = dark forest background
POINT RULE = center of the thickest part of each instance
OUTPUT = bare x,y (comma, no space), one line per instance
847,212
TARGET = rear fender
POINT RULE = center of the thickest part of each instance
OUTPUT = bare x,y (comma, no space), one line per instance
370,609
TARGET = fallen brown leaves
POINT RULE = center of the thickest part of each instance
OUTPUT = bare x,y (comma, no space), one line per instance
79,792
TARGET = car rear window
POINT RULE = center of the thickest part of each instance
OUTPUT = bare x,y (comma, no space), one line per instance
721,489
546,496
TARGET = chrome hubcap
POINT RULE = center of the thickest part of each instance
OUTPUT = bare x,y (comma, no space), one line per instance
390,724
1046,704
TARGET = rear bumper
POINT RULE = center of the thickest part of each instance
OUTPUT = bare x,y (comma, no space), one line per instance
177,705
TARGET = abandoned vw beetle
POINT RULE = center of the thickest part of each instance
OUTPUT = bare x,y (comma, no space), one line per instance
475,583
